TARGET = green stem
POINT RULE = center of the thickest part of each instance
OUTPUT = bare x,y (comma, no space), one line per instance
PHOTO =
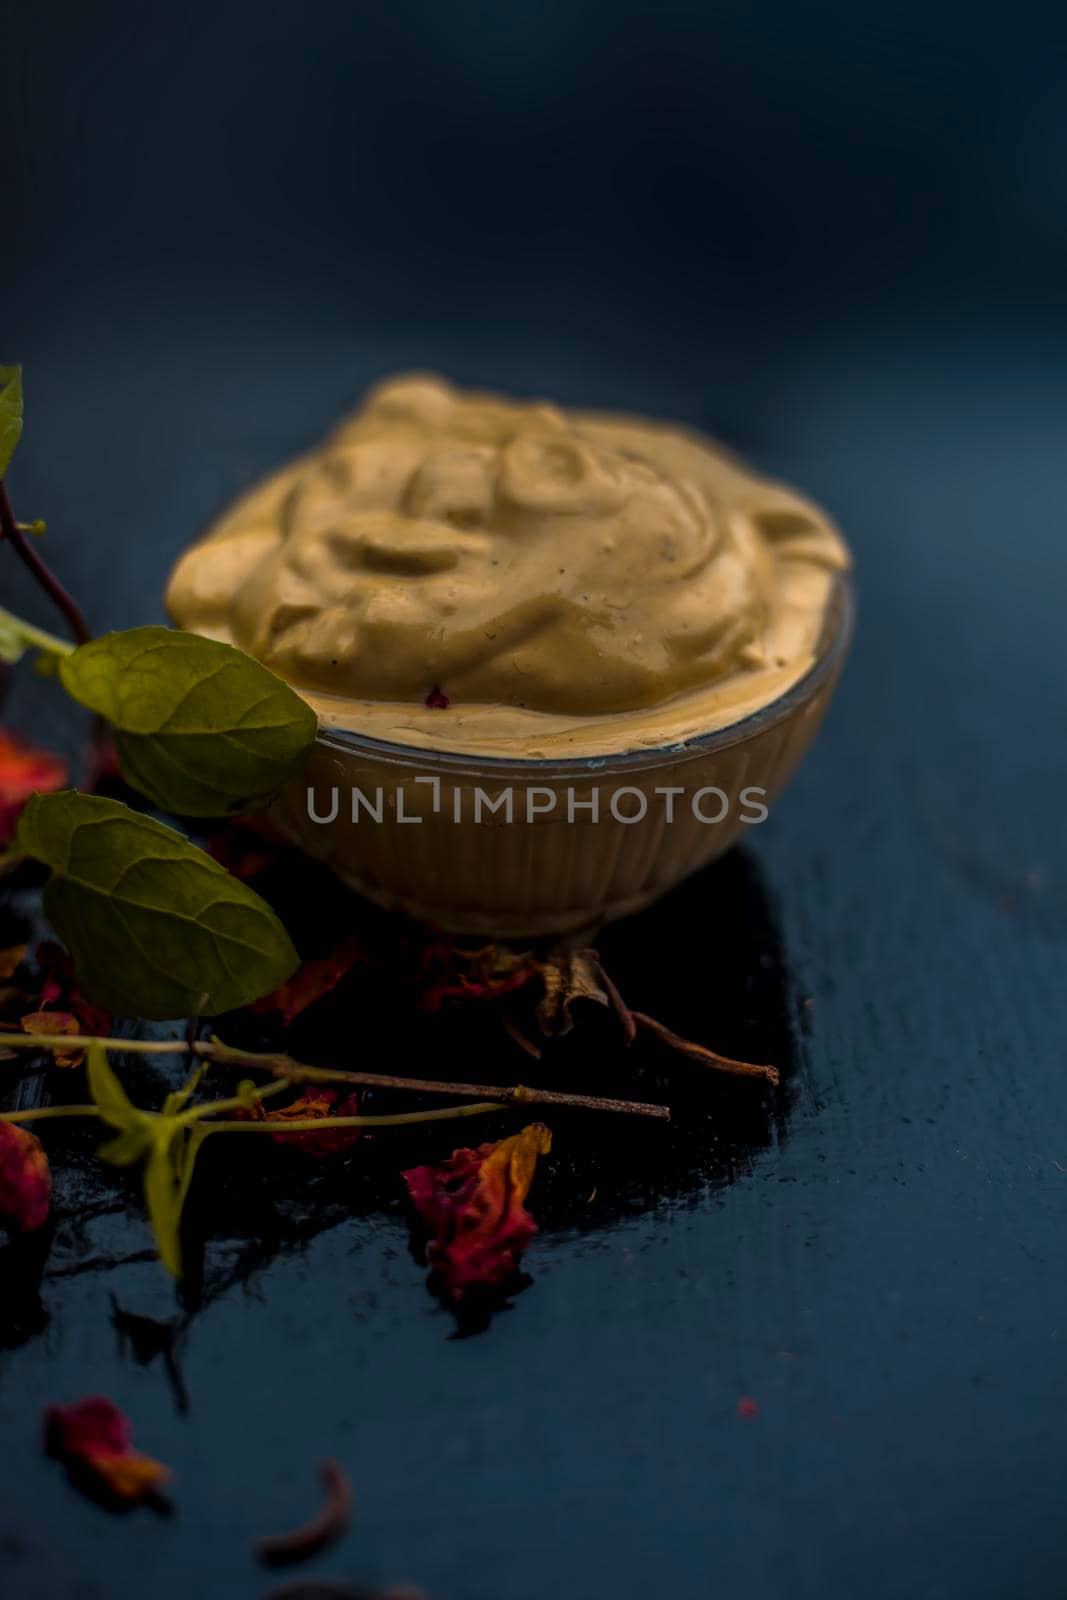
37,637
298,1072
328,1124
41,1112
66,1041
519,1093
213,1107
299,1125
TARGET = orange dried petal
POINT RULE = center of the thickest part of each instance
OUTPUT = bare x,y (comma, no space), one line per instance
131,1476
314,1102
324,1103
56,1022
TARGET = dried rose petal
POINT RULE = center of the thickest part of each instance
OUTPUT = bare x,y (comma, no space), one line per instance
24,770
94,1437
473,1206
314,1102
59,989
281,1550
25,1179
312,980
324,1103
56,1022
437,700
488,973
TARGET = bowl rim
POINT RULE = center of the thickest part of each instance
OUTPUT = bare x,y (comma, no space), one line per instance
834,640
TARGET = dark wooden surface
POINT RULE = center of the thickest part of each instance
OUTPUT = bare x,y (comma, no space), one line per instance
876,1261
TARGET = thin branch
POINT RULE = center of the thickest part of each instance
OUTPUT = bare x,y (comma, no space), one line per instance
632,1021
701,1053
283,1066
514,1032
297,1125
51,585
627,1017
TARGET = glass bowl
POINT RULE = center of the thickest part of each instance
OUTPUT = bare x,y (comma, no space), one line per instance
512,848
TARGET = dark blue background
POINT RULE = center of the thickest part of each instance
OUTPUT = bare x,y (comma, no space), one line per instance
837,235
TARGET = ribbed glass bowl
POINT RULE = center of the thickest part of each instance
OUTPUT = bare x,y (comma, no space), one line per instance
428,832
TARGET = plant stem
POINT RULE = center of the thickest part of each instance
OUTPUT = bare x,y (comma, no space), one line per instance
328,1124
39,1113
46,1041
297,1125
49,642
283,1066
701,1053
51,585
286,1067
214,1108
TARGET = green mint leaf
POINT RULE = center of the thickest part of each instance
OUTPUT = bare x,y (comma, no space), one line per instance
10,414
200,728
154,926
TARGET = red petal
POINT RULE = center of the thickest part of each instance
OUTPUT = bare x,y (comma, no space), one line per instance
91,1426
24,771
25,1179
484,974
473,1206
94,1436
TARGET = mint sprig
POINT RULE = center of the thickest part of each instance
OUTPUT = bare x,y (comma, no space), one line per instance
155,928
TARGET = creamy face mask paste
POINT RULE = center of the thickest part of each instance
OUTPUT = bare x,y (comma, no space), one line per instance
478,595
